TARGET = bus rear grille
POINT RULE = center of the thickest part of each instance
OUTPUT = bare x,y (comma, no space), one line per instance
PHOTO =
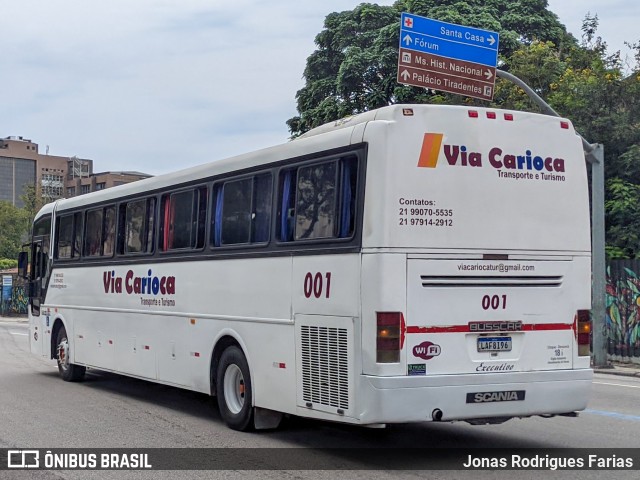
325,372
492,281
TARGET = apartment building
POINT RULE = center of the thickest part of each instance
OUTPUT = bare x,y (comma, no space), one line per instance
22,165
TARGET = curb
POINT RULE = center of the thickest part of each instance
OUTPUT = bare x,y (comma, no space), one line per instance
14,320
617,372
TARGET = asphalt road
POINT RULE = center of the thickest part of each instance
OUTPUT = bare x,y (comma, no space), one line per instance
39,410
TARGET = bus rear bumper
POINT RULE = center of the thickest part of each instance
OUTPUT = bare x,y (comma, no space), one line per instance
473,397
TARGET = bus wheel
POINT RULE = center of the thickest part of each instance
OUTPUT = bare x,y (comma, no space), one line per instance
68,371
233,389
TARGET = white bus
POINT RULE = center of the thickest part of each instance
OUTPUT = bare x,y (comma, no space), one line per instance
413,263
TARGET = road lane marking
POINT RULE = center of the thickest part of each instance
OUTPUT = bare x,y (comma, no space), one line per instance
618,384
620,416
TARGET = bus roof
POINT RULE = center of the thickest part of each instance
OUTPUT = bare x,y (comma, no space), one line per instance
311,142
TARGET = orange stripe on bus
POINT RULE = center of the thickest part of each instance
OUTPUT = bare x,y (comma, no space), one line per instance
430,150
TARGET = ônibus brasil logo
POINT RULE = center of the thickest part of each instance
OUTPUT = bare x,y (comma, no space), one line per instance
460,155
140,285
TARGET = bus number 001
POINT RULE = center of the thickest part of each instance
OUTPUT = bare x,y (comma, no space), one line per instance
494,302
316,284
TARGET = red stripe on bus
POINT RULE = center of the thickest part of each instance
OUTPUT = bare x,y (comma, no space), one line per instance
530,327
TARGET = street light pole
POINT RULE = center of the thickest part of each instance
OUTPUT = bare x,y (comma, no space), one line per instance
594,155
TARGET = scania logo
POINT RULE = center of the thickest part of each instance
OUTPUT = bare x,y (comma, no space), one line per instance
495,326
485,397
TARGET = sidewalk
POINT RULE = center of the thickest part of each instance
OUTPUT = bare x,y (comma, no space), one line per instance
22,319
614,368
620,369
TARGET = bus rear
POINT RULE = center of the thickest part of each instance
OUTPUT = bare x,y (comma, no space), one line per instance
476,266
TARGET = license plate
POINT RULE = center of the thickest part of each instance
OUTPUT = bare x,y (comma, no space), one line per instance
494,344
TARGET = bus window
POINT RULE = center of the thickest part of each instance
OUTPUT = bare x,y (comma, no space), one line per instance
318,201
236,212
349,179
109,231
65,237
243,211
93,233
183,219
138,226
286,212
261,215
77,236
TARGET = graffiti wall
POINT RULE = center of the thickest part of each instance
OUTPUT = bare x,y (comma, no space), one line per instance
623,310
13,295
19,300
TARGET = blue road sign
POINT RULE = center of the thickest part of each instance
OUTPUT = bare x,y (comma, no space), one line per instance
449,40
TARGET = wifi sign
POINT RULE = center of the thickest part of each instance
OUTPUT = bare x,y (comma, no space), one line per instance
426,350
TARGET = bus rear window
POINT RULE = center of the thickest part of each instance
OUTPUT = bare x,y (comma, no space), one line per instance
317,201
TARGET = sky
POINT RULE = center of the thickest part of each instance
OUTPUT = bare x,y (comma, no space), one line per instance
158,85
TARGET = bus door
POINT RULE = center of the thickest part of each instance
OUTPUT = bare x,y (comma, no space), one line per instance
39,279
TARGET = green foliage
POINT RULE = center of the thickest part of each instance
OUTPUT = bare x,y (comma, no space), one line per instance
7,263
354,67
32,200
622,209
14,227
355,64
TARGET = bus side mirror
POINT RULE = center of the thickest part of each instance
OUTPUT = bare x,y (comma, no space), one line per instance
23,262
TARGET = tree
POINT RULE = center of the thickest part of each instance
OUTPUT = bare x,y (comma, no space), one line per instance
13,225
354,67
32,201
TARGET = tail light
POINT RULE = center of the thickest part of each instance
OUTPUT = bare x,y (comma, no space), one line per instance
583,331
389,336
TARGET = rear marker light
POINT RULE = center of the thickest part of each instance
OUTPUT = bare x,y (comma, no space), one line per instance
473,114
508,116
491,115
583,332
564,125
390,329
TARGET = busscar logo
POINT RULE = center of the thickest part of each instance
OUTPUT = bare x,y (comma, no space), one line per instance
486,397
23,459
462,156
492,326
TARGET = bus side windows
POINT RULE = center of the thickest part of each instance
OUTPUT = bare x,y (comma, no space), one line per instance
93,233
242,213
318,201
183,215
64,237
349,182
137,225
69,237
109,231
99,232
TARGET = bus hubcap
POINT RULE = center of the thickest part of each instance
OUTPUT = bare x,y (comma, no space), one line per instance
234,389
63,357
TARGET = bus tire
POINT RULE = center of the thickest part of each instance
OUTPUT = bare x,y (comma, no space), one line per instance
234,391
68,371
